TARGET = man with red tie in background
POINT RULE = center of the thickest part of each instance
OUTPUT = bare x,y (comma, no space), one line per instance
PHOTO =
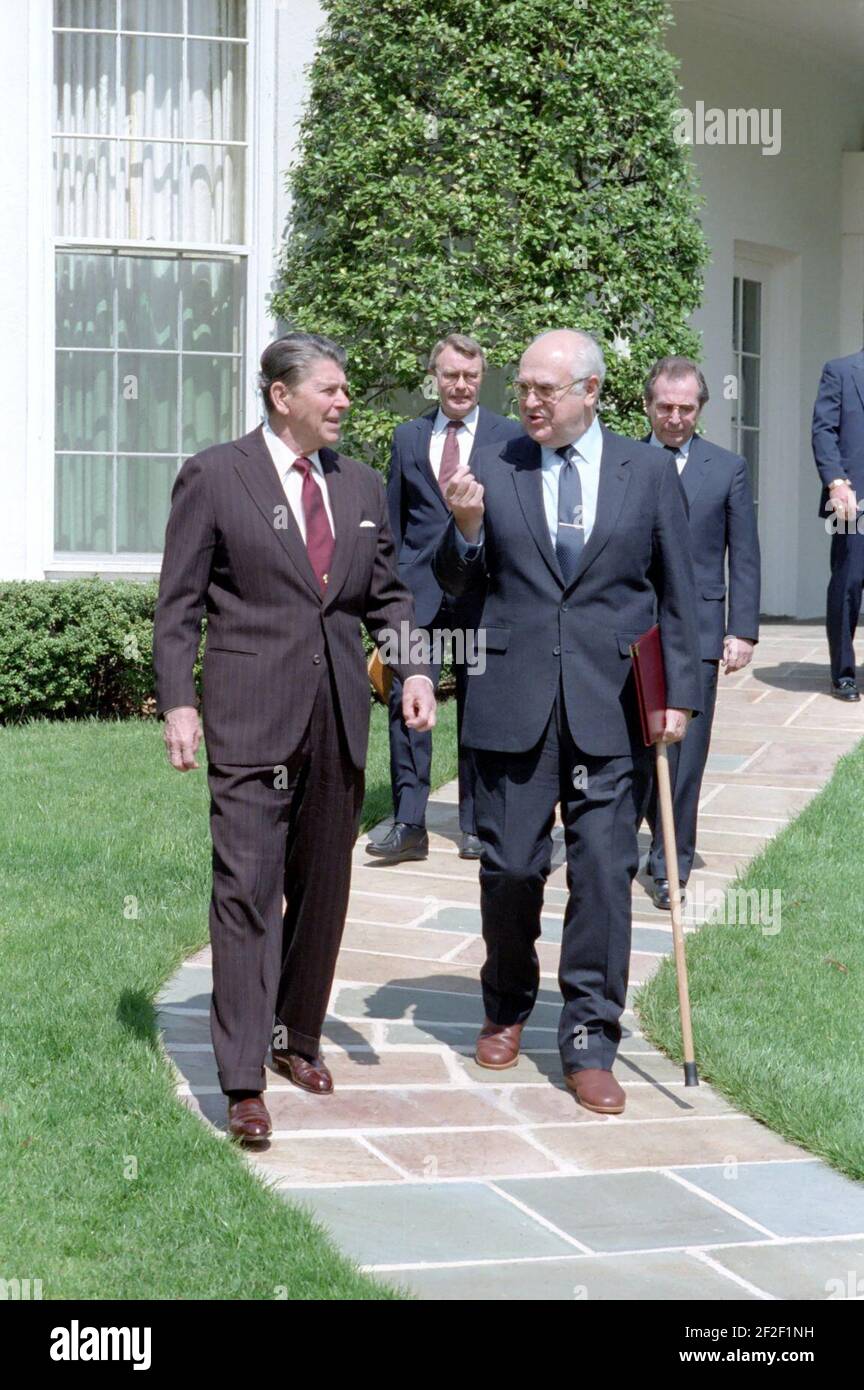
285,544
425,455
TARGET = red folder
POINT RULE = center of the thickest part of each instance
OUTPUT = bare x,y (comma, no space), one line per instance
647,655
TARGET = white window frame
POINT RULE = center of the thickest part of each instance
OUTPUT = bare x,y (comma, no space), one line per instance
258,250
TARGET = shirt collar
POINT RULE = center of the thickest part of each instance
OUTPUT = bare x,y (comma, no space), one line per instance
589,446
283,456
685,448
442,421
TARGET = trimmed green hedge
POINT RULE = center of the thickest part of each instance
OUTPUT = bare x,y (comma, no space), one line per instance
80,648
75,649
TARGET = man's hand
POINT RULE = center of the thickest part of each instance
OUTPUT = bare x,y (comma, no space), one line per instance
676,725
737,653
844,502
418,703
464,496
182,737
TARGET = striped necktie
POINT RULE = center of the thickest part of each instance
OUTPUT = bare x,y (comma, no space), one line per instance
571,527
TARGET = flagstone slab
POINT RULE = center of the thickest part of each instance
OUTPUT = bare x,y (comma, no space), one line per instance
414,1223
796,1199
385,1109
828,1270
295,1161
423,943
626,1211
465,1155
725,1139
673,1276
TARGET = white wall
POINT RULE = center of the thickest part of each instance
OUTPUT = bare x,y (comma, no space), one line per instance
790,202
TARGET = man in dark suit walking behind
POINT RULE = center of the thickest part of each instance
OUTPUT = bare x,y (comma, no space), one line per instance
722,527
426,452
286,545
838,448
580,534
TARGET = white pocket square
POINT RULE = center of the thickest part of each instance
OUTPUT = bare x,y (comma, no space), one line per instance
367,523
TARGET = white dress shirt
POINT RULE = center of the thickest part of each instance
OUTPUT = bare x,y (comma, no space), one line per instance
291,478
464,438
681,456
589,449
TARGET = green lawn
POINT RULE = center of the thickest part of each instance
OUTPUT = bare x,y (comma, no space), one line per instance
109,1187
778,1016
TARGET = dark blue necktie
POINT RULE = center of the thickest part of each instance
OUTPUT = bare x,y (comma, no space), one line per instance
571,529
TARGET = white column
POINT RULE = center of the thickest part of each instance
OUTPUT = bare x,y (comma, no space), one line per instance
852,252
26,292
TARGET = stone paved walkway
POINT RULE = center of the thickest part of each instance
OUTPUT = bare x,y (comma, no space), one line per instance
460,1183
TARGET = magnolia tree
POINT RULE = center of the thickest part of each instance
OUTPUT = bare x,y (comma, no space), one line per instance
494,169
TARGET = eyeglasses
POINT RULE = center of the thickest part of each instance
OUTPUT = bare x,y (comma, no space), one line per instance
686,412
523,389
451,378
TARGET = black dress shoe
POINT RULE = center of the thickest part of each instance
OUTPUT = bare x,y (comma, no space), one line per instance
660,895
845,689
470,847
401,842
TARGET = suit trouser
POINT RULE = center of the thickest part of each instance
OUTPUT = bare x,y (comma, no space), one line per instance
516,797
687,761
411,753
280,831
844,601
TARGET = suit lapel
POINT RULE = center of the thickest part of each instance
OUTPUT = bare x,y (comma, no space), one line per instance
346,520
528,481
858,378
258,474
421,457
695,469
614,481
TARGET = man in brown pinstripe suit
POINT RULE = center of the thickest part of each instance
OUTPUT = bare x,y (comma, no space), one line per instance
285,544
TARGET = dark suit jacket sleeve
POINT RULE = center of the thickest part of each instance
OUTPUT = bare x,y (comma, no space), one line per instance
189,541
744,560
388,602
675,586
458,569
394,495
826,426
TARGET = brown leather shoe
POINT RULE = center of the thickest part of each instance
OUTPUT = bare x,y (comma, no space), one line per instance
597,1090
309,1076
498,1045
248,1120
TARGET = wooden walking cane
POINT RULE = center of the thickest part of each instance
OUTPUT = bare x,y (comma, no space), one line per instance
647,657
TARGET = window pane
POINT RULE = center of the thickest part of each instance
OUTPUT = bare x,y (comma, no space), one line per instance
84,396
86,14
752,316
750,450
147,302
151,78
149,190
154,16
147,404
736,314
213,305
85,292
217,91
143,500
213,194
224,18
749,386
83,503
210,401
84,83
84,184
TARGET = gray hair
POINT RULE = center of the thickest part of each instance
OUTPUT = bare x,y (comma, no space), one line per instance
676,368
589,359
290,359
460,342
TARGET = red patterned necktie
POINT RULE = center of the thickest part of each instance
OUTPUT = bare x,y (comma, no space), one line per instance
319,537
450,456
